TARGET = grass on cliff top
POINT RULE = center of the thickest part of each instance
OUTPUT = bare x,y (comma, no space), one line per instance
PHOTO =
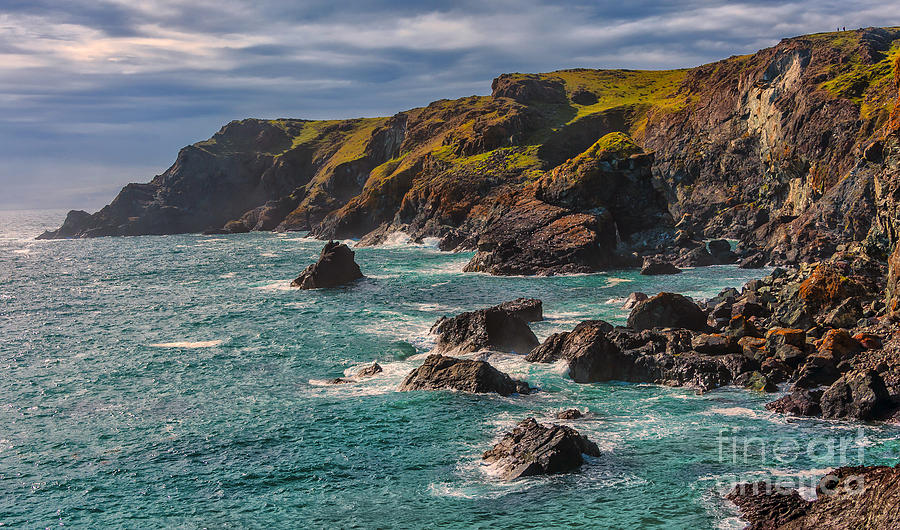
617,88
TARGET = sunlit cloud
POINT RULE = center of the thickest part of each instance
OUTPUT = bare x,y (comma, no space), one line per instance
117,84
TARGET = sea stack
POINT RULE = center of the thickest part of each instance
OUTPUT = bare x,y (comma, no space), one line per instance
335,267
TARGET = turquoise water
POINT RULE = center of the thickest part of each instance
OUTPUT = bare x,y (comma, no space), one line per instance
176,381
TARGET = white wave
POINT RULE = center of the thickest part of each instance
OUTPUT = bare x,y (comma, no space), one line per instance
617,281
283,285
214,239
198,344
615,301
268,255
22,251
228,275
740,412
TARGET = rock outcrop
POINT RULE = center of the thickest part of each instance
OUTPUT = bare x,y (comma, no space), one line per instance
848,497
335,267
439,372
792,151
494,328
534,449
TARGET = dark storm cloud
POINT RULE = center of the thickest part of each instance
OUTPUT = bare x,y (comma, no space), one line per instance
97,93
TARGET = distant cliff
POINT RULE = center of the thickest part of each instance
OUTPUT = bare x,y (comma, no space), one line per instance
792,150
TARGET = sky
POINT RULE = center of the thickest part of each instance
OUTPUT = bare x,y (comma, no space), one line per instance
98,93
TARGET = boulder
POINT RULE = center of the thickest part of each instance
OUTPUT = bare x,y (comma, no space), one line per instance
534,449
860,394
485,329
335,267
786,344
755,381
667,310
753,261
657,268
569,414
799,403
720,250
695,257
753,348
714,344
440,372
528,309
845,315
591,355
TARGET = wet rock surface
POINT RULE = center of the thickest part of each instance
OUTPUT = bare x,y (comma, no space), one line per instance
439,372
335,267
486,329
535,449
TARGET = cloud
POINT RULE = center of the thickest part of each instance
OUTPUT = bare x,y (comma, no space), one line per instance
121,85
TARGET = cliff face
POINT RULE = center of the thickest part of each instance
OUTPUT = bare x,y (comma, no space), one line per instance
791,150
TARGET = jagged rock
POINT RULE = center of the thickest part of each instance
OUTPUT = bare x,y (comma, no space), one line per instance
844,315
667,310
534,449
656,268
755,381
485,329
633,300
848,497
775,370
528,309
440,372
569,414
767,506
695,257
753,348
754,261
714,344
799,403
335,267
786,344
370,371
858,394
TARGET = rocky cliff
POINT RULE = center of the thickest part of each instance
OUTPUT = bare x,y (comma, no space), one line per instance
792,150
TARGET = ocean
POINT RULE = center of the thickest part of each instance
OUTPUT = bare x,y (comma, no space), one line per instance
178,381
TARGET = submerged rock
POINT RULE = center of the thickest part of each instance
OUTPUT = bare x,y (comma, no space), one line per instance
569,414
335,267
440,372
485,329
535,449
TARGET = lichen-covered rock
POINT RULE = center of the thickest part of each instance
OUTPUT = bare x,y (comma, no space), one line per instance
485,329
667,310
335,267
440,372
534,449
